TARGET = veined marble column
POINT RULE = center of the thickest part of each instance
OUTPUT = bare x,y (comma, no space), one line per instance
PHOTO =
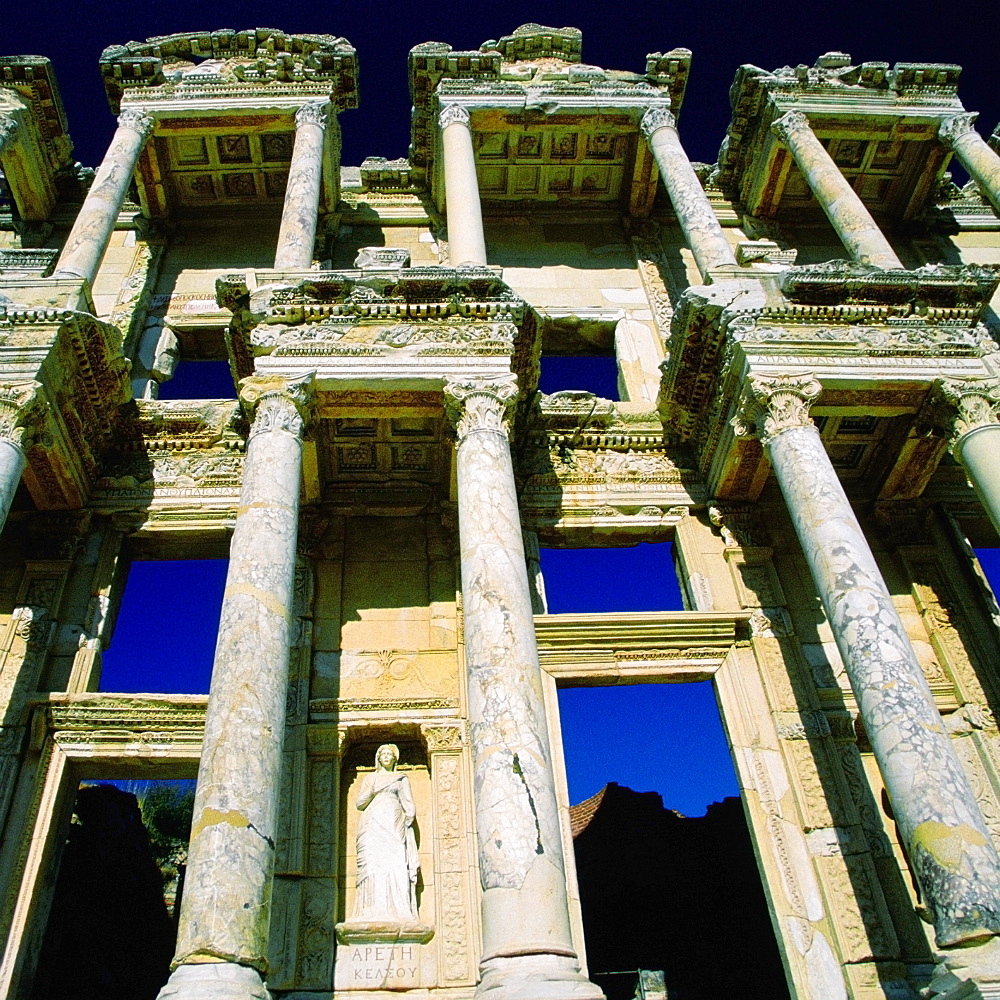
222,936
297,235
527,946
701,228
466,242
855,226
974,153
949,847
88,239
975,436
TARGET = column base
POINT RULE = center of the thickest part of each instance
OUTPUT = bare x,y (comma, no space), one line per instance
968,974
535,977
214,981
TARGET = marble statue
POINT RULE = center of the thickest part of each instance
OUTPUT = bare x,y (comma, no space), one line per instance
387,846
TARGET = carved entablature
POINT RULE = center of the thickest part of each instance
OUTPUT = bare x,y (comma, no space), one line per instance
890,153
82,378
35,148
404,315
225,106
546,126
389,176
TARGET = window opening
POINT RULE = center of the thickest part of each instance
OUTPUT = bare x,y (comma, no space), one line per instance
112,925
164,636
195,379
596,373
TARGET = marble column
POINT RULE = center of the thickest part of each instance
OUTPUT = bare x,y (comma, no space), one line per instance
20,403
697,219
527,946
88,239
297,235
949,847
855,226
973,152
974,431
223,930
466,242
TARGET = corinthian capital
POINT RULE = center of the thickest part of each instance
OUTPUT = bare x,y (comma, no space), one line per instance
8,131
950,130
276,403
453,114
655,119
776,403
480,404
315,113
137,120
968,403
21,404
788,123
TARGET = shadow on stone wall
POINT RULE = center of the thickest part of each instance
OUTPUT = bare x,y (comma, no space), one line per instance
661,891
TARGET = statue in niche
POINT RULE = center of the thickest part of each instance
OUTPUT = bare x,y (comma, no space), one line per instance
387,846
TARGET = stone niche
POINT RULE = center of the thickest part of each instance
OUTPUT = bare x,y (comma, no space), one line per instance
386,958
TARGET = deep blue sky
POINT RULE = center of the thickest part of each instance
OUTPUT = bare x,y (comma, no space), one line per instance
722,35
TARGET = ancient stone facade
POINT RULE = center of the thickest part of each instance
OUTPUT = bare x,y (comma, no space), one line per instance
809,378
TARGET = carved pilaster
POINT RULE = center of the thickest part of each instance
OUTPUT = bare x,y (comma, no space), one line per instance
740,525
453,114
480,404
136,120
950,130
654,119
772,404
275,403
315,113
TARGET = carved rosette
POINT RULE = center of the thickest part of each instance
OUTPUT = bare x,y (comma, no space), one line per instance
137,120
481,404
8,131
950,130
453,114
275,403
21,404
971,403
790,123
655,119
315,113
776,403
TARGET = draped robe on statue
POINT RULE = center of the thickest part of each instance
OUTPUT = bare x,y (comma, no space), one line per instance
387,849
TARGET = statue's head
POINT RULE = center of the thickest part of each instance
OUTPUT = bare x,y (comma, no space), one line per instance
386,757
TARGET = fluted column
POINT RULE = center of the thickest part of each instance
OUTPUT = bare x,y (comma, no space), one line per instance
974,153
527,946
88,239
222,936
20,405
949,847
466,242
297,235
974,431
855,226
701,228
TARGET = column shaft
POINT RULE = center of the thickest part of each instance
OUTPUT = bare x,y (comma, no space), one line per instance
225,910
527,944
466,242
974,154
949,846
845,210
20,403
701,228
977,450
88,239
297,235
